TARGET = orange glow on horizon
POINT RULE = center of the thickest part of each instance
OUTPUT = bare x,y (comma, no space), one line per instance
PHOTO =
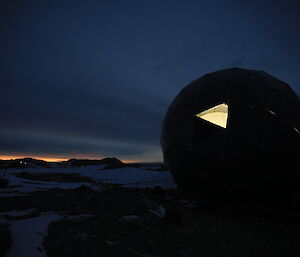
53,159
48,159
130,161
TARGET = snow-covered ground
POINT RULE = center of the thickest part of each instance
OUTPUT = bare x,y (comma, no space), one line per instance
126,177
28,235
28,232
17,213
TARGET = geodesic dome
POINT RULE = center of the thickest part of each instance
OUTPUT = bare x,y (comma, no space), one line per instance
233,130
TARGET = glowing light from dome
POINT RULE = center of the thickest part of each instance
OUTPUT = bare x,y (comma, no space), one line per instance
217,115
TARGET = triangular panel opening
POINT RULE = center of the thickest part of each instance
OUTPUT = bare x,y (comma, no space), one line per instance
217,115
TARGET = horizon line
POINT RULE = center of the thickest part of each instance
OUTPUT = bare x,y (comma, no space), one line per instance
50,159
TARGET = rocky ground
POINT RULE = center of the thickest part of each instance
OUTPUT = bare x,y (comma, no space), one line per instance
131,229
120,221
5,238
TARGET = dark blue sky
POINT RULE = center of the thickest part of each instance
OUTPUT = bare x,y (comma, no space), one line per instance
95,78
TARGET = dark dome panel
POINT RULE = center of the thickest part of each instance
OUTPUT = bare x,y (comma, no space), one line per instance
234,130
185,133
208,99
204,130
213,150
251,129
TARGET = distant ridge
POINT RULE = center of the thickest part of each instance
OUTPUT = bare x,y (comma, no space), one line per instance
109,163
22,163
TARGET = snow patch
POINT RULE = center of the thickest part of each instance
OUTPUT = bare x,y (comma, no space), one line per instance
128,177
128,218
79,217
110,243
28,235
160,211
17,213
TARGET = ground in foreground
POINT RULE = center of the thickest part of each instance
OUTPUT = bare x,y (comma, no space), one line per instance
131,222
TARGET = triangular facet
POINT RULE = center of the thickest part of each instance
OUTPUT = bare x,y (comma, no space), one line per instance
217,115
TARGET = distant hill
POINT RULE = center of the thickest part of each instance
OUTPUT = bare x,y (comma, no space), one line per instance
109,163
22,163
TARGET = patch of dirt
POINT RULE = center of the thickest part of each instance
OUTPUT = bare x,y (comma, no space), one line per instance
3,182
55,177
74,201
201,234
5,239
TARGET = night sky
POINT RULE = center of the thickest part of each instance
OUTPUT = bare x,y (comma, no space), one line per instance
93,79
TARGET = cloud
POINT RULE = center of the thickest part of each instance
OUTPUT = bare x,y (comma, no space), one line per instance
37,143
98,78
